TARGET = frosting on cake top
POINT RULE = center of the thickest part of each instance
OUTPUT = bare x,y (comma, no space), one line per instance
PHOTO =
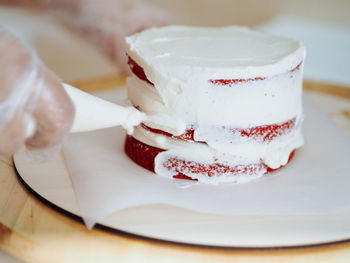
232,52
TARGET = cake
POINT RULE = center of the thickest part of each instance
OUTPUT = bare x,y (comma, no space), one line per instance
231,96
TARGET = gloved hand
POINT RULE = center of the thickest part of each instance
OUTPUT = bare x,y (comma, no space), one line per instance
28,88
105,23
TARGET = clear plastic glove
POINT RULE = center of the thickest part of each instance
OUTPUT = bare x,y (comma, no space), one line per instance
28,88
107,22
103,22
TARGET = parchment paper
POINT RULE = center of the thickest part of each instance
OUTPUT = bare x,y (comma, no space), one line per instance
316,181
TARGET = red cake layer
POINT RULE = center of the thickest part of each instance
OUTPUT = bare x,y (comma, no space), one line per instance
224,82
138,70
144,155
265,133
141,153
140,73
214,169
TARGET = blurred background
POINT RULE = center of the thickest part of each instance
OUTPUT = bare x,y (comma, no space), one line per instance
253,12
322,25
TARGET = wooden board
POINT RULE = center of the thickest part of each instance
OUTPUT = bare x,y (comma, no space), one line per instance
35,232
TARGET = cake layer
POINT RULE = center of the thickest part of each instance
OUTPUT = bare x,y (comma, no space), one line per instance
263,134
273,154
239,105
138,71
177,167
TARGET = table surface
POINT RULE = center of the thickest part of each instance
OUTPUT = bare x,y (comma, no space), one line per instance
35,232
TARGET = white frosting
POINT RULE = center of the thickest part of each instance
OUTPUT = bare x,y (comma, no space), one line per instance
182,52
181,62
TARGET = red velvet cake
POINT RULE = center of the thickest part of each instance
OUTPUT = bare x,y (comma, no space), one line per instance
229,98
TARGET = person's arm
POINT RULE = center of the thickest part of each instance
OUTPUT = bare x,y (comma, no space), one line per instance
28,88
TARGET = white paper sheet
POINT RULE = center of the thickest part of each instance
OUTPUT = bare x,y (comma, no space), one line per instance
316,181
